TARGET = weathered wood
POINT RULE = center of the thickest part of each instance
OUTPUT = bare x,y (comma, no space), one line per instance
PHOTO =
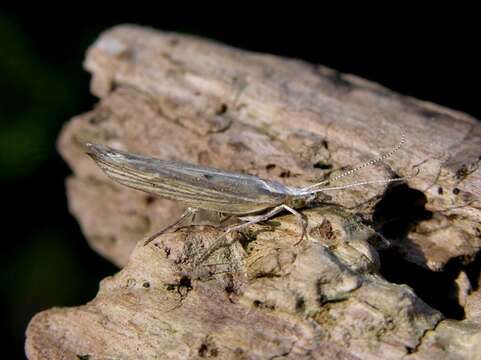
178,97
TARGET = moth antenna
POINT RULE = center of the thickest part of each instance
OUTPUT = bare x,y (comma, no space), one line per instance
363,165
381,181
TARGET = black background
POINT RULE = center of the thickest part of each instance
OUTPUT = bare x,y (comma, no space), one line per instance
45,261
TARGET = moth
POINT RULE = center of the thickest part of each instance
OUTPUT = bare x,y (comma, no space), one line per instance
247,197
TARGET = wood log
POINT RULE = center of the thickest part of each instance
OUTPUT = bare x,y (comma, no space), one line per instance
179,97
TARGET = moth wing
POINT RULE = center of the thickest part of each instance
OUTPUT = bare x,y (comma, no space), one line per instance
196,186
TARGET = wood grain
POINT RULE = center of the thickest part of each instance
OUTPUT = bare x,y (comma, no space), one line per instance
182,98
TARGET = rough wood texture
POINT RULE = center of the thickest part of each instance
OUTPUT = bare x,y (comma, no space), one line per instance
178,97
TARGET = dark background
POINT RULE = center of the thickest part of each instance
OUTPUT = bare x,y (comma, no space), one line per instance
45,261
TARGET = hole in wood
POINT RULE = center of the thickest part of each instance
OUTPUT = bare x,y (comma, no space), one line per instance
401,209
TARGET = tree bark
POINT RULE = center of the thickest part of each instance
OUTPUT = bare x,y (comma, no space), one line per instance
178,97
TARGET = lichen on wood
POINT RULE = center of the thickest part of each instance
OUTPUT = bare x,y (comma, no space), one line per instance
178,97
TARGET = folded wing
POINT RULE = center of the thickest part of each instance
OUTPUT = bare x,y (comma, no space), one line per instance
196,186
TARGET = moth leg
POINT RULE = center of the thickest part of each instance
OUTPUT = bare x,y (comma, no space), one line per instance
302,220
300,217
250,217
221,242
188,212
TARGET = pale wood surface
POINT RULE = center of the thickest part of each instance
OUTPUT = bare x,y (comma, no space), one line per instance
177,97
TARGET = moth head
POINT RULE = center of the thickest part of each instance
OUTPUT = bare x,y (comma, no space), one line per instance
321,197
